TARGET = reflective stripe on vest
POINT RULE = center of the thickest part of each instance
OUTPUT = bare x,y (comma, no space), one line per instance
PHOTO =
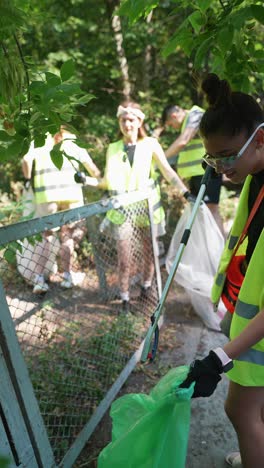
121,177
189,163
53,185
250,303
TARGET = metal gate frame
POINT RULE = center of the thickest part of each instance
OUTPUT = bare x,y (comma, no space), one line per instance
22,429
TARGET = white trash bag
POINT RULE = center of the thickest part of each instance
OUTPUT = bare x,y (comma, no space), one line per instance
29,256
27,199
199,261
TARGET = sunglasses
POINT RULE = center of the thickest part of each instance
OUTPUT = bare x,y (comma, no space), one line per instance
229,160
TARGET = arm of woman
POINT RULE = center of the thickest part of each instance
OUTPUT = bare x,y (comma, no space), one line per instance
206,372
27,163
103,182
253,333
170,175
90,166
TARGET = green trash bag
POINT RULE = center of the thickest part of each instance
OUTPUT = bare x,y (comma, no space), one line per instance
151,431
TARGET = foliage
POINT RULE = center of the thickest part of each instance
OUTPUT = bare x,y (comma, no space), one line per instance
5,462
59,56
32,102
49,43
218,34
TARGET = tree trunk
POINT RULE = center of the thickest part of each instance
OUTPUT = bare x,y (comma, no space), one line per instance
147,57
116,27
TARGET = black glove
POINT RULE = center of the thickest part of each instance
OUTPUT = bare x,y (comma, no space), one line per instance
189,197
206,373
80,177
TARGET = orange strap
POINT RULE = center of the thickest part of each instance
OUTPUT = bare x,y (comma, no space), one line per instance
255,207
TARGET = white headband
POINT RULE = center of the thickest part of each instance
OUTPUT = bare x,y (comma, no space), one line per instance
130,110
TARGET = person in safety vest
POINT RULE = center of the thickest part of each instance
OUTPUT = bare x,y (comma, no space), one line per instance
187,151
233,134
56,190
130,165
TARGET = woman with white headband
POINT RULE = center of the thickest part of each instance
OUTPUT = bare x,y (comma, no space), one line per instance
130,165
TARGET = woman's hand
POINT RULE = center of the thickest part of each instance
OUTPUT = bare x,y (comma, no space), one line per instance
206,375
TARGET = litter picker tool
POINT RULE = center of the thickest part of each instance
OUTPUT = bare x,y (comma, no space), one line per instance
152,337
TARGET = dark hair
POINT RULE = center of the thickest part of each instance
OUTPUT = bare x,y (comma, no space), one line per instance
229,112
167,111
141,131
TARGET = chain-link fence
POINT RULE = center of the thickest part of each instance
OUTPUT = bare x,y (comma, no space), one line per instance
75,334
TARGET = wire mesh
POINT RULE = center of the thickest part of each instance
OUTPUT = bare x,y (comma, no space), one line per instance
74,333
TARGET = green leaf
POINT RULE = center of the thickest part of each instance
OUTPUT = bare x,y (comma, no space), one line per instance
16,246
67,70
52,79
260,66
57,157
258,13
239,17
134,9
81,143
25,146
52,128
39,141
124,9
60,98
170,47
86,98
37,87
225,38
202,50
258,55
34,117
15,148
10,255
5,137
21,125
3,154
51,93
197,21
66,117
70,89
204,4
182,38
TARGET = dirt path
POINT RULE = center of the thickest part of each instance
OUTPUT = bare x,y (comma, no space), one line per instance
183,337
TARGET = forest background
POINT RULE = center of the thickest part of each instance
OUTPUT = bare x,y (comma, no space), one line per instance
75,61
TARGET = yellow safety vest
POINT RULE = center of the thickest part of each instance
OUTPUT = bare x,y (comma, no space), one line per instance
51,184
121,177
189,162
248,367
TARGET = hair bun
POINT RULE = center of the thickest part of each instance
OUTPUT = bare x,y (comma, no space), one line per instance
217,91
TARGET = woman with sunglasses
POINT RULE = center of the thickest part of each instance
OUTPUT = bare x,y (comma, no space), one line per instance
232,129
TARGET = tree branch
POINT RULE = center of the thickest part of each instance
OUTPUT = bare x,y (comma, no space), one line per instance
24,66
222,4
